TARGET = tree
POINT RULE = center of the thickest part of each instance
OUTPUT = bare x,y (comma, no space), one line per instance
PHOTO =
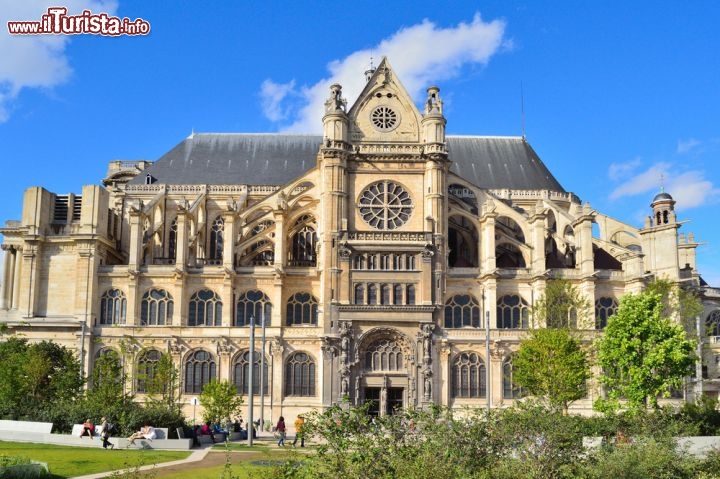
643,353
108,379
164,383
552,364
561,306
220,401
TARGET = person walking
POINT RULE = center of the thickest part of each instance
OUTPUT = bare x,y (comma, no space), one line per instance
299,433
105,433
280,429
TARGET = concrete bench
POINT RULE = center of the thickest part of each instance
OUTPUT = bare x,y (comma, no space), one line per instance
26,426
78,429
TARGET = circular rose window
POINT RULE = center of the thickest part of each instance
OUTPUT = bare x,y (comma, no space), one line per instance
384,118
385,205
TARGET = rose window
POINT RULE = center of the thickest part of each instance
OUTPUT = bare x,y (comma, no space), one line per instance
385,205
384,118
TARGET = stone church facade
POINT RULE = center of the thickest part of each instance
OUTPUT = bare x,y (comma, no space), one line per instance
388,261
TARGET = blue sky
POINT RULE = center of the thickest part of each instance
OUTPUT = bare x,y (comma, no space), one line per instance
619,96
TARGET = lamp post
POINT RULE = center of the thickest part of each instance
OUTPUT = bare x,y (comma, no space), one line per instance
262,372
251,360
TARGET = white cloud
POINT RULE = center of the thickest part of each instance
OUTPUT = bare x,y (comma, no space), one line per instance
648,180
689,189
36,61
407,50
685,146
618,171
272,95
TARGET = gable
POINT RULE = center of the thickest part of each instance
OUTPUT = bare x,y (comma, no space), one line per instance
384,111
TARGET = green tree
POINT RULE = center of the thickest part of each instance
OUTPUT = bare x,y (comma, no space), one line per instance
162,387
553,365
108,378
643,353
561,306
220,401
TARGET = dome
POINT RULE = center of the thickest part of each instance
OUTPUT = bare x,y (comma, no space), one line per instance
662,196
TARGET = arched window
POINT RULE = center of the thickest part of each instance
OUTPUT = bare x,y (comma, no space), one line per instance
512,312
385,294
359,294
302,308
712,324
205,309
604,308
410,294
113,306
241,371
510,389
172,239
253,303
147,367
372,294
156,308
462,310
468,376
216,238
300,375
302,252
384,355
200,369
398,294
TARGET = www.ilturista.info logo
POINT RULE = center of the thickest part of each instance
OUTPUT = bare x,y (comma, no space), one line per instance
58,22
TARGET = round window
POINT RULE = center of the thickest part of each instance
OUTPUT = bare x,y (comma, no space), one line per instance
384,118
385,205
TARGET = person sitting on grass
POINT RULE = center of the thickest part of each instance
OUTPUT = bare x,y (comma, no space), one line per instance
88,429
146,432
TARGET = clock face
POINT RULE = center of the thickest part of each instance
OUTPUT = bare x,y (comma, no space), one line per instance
385,205
384,118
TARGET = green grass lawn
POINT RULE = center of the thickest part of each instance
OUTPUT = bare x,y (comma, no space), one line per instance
67,461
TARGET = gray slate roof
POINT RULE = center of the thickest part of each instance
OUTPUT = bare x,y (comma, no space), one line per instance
275,159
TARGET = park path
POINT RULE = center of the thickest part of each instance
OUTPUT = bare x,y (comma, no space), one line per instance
196,455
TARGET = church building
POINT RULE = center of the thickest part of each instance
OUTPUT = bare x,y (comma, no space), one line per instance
382,260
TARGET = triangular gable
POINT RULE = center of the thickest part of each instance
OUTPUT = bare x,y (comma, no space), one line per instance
384,111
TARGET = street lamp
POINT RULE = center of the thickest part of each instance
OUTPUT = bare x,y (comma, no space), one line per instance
251,360
262,372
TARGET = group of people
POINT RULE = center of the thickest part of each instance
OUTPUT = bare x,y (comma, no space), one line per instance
88,429
281,431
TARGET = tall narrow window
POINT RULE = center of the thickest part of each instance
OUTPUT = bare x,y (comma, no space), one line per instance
147,368
510,389
397,294
385,294
113,306
468,376
410,294
302,308
359,294
255,304
200,369
241,372
172,239
372,294
300,375
302,252
384,355
216,238
205,309
156,308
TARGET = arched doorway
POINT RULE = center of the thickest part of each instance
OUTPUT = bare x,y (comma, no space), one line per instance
385,380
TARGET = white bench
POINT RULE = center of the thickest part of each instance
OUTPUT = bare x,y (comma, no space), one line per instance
78,429
26,426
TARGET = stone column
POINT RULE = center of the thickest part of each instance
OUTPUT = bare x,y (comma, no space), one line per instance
17,272
6,291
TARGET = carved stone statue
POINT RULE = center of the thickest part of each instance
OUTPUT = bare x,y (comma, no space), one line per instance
336,102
